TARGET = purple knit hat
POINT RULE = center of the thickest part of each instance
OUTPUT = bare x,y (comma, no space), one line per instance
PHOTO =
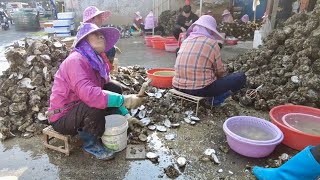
208,22
92,11
111,35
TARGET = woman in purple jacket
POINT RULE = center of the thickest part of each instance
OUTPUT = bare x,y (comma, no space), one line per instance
82,92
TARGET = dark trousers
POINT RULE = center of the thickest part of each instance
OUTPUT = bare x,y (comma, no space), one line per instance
176,32
232,82
159,30
316,152
90,120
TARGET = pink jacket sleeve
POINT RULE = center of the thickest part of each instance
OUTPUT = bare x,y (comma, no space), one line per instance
85,84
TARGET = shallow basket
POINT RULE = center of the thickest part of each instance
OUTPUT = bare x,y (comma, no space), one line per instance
239,122
248,147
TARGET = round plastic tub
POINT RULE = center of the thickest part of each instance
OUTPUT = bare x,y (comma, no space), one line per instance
297,120
171,39
158,44
171,46
148,39
115,135
250,147
292,138
158,80
231,42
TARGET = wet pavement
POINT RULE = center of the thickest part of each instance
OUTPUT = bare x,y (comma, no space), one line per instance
28,159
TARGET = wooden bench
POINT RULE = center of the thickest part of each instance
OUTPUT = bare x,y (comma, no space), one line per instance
188,97
49,133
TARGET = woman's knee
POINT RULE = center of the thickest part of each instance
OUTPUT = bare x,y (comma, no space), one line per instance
241,78
94,122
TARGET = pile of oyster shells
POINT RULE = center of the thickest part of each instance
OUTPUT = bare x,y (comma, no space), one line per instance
287,65
239,30
25,87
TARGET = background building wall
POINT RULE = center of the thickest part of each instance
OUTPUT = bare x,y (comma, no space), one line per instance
122,10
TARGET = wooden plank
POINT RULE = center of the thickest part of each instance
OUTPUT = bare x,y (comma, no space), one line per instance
56,148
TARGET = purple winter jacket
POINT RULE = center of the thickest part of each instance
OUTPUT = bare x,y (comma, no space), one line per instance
76,80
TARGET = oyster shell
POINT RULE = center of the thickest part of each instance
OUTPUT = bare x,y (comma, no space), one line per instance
209,152
161,128
167,123
146,121
181,161
170,136
142,114
152,127
151,155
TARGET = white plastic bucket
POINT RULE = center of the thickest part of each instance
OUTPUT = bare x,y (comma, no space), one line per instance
115,134
257,39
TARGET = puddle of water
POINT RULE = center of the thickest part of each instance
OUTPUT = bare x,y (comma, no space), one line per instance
145,169
16,163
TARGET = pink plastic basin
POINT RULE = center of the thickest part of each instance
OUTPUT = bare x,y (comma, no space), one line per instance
249,147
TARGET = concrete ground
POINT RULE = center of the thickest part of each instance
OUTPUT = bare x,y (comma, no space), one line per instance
28,159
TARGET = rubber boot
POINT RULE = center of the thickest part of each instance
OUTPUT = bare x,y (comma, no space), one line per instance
302,166
218,100
92,146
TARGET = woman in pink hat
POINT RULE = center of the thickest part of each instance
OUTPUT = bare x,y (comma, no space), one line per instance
199,69
93,15
81,95
227,17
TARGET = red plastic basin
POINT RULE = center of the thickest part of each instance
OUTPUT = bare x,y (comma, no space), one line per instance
171,46
158,44
292,138
148,40
158,80
231,42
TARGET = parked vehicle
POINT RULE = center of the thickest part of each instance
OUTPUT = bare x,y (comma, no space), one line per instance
26,19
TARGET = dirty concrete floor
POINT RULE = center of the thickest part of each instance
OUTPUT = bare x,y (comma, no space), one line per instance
28,159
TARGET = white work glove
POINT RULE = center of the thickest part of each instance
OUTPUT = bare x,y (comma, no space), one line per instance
183,29
132,121
132,101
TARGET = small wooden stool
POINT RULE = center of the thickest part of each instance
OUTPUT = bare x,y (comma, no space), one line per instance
188,97
49,133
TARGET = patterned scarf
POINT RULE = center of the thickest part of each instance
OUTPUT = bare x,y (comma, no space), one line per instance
96,62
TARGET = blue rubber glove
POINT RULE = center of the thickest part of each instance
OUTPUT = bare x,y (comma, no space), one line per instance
123,111
114,99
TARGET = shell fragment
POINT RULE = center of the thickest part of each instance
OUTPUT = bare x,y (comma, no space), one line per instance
187,120
146,121
170,136
151,155
215,158
167,123
194,118
161,128
181,161
208,152
152,127
134,112
142,114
